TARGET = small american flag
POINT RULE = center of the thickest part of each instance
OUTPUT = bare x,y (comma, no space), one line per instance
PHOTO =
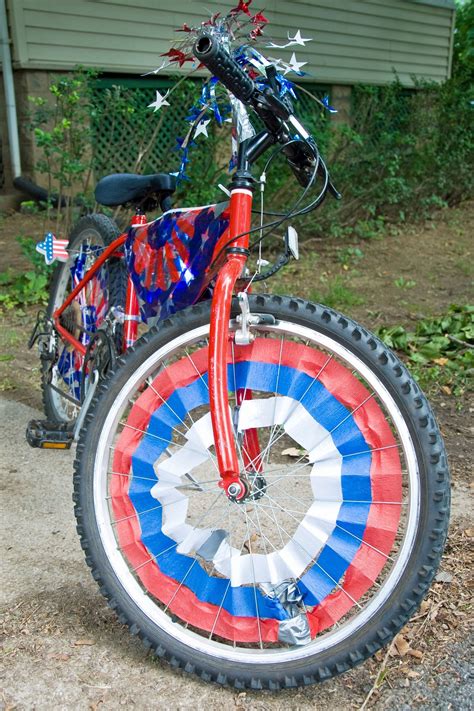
52,248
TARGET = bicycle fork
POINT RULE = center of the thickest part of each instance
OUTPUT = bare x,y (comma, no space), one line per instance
222,424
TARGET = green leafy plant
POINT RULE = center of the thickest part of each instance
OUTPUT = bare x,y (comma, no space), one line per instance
337,295
402,283
63,134
26,288
349,256
28,249
22,289
440,350
463,49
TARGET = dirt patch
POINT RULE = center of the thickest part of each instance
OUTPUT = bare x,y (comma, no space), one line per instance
408,274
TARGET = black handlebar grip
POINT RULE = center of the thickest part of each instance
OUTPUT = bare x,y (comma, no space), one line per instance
210,52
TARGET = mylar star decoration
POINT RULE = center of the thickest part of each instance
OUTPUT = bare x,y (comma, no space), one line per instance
178,56
294,66
292,41
202,128
240,30
259,17
159,101
243,6
326,104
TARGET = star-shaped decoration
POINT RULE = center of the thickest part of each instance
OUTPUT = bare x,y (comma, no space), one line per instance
259,61
258,18
243,6
202,128
159,101
164,64
292,41
176,55
294,66
298,39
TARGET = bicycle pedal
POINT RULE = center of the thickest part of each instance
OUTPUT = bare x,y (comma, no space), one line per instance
49,435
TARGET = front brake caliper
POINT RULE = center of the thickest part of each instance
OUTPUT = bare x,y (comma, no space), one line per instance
246,319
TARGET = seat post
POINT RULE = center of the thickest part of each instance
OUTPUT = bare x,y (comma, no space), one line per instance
139,217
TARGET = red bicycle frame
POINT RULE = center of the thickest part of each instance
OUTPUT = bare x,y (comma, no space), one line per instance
224,437
132,311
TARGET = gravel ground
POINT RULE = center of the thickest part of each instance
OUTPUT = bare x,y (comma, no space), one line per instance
64,649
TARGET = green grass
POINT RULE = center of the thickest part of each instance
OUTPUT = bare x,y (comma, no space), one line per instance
337,295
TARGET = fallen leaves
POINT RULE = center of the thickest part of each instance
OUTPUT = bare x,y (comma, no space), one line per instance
249,544
83,643
402,648
441,619
401,645
59,657
293,452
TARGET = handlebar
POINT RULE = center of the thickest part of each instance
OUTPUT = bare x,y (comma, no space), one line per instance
271,109
266,102
219,62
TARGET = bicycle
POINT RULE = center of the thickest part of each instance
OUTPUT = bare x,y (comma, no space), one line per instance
227,558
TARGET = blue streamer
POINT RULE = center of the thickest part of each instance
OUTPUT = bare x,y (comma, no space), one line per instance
341,546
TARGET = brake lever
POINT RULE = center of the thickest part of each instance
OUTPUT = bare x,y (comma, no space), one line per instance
275,104
272,74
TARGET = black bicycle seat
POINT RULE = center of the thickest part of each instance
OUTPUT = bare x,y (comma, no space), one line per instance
121,188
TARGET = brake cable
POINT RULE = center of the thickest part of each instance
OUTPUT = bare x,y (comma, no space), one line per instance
293,212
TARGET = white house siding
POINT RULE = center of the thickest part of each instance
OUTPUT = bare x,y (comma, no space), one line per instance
354,40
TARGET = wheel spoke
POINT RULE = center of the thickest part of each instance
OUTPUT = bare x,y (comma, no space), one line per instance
254,579
201,520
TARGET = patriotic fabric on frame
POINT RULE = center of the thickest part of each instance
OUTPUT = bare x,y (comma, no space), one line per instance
343,540
167,259
91,308
52,248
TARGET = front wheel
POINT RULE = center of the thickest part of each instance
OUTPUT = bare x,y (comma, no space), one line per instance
345,519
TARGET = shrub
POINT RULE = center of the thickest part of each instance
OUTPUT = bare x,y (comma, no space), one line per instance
407,153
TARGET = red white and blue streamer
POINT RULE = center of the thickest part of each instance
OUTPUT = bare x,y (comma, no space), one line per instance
342,541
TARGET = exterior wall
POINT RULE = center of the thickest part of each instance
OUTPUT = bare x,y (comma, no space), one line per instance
354,40
30,83
5,167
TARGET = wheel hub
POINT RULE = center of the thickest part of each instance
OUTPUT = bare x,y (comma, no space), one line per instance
246,489
258,487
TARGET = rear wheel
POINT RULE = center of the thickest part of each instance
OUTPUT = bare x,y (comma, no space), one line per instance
345,519
63,374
